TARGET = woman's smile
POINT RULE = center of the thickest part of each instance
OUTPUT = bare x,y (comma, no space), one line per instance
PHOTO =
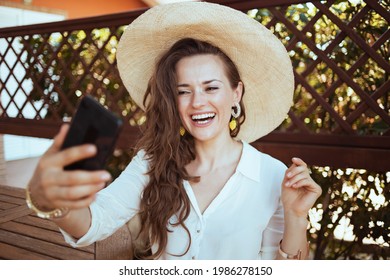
202,119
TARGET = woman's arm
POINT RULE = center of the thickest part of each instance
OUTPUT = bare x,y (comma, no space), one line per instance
52,187
299,193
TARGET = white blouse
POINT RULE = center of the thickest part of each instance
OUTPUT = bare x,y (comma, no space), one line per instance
244,221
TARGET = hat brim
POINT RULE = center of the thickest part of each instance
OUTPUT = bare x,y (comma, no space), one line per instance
261,59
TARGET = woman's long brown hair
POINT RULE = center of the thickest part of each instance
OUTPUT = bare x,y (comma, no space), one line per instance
167,152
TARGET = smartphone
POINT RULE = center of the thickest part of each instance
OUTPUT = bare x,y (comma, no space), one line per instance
93,123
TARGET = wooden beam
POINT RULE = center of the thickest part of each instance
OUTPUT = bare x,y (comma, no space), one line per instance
334,156
48,129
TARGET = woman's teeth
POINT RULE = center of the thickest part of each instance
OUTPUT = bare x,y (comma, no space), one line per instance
203,118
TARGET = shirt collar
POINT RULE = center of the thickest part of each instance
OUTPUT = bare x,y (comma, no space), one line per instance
249,164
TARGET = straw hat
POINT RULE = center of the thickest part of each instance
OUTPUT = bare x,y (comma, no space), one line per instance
261,59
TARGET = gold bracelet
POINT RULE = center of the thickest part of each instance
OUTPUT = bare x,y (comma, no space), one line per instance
53,214
298,256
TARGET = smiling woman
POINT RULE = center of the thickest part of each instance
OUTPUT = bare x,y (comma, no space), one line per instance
199,190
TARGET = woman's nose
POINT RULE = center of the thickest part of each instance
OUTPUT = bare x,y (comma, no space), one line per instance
198,98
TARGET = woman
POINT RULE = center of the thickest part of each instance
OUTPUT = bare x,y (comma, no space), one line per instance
200,190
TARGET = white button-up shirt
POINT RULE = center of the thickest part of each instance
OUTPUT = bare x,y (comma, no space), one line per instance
244,221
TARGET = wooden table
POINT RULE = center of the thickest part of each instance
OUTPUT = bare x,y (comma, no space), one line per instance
24,236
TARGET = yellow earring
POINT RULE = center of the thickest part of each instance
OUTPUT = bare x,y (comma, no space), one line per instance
233,124
182,131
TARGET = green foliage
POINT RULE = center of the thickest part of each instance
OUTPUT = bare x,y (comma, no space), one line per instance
351,218
65,66
324,80
118,161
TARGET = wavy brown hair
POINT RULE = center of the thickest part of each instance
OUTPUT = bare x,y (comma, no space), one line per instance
167,152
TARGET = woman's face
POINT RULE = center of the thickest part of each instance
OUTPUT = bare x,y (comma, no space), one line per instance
205,97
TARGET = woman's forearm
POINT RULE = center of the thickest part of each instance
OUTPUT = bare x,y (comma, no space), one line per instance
76,223
294,237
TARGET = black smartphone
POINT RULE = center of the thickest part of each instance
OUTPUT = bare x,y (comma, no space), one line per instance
93,123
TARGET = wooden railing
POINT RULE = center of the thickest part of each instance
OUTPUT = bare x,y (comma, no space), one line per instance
341,120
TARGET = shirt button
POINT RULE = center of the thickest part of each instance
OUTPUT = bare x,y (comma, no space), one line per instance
193,257
198,231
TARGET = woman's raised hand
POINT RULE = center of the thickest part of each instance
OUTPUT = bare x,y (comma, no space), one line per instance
53,187
299,191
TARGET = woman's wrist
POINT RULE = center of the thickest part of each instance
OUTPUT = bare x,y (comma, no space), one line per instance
41,211
294,241
295,221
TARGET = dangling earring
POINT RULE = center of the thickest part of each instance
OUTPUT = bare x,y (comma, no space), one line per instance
238,112
182,131
233,124
235,115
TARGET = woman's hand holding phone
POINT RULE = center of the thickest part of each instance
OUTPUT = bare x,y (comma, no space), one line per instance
71,172
54,187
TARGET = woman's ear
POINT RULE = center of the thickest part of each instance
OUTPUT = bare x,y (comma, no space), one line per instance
238,92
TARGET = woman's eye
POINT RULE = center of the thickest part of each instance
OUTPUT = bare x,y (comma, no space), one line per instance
181,92
211,88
